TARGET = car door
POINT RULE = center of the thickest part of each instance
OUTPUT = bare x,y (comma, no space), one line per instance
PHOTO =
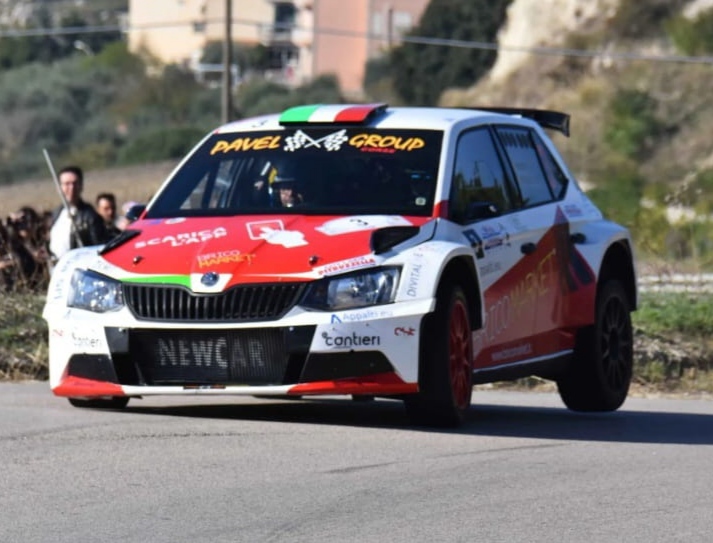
555,271
484,203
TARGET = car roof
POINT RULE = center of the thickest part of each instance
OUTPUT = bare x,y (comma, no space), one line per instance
382,116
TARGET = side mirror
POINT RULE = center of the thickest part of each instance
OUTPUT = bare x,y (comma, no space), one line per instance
135,212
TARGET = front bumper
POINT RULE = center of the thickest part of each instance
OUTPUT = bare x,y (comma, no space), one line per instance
371,351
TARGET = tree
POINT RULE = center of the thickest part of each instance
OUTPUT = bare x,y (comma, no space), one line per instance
422,72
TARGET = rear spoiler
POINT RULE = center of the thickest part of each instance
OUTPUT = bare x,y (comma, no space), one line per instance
556,120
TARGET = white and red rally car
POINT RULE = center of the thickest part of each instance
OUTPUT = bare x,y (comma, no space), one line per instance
359,250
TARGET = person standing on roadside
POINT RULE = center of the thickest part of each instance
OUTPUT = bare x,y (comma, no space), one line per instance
106,207
84,227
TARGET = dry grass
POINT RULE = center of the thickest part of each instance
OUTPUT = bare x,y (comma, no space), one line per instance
23,337
137,183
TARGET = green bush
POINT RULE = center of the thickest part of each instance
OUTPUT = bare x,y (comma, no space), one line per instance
618,192
259,97
421,72
692,37
689,315
632,126
636,19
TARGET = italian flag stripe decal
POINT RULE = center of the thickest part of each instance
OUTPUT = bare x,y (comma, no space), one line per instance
324,114
355,114
300,114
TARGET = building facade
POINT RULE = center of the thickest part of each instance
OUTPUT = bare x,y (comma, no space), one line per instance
305,38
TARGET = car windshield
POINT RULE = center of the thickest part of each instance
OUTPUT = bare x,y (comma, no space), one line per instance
308,171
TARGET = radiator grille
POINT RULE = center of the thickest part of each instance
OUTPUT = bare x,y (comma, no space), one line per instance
243,303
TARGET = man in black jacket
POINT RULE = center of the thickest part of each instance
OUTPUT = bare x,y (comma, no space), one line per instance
85,227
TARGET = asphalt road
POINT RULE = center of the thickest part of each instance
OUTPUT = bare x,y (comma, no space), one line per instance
523,469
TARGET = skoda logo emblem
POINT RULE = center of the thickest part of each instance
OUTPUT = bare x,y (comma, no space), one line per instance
209,279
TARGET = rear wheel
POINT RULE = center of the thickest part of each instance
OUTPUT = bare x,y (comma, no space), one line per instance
445,372
116,402
598,378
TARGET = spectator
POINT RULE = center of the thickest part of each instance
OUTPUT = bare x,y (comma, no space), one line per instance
18,267
124,221
28,229
106,207
84,227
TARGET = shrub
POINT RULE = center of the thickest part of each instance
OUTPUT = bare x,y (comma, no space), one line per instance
636,19
632,127
692,37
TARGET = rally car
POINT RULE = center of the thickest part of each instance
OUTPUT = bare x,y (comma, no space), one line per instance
359,250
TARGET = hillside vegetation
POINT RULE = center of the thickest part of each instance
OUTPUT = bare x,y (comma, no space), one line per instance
636,78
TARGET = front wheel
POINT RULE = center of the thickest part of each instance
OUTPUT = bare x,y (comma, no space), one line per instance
445,367
600,373
115,402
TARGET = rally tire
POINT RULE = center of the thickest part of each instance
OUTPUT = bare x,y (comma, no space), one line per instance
599,376
116,402
445,367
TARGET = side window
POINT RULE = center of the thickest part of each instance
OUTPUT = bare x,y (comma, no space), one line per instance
520,149
214,190
555,176
198,194
479,185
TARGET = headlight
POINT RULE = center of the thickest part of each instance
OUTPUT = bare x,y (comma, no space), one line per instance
358,289
94,292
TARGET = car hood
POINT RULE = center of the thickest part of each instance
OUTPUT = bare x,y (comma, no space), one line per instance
213,253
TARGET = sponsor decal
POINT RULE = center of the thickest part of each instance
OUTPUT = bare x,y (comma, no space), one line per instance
186,238
413,280
345,265
81,341
494,237
58,291
224,257
257,229
573,210
512,352
521,298
273,231
404,331
330,142
385,143
246,144
490,268
175,220
346,225
213,352
475,242
259,123
353,340
516,223
362,315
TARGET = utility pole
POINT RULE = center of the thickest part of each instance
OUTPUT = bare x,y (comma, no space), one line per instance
227,101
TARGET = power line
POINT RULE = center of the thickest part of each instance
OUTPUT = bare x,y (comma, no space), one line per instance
420,40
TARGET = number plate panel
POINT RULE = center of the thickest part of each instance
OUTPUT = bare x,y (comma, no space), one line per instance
252,357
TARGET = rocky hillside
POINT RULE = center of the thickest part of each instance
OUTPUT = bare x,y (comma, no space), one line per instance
577,55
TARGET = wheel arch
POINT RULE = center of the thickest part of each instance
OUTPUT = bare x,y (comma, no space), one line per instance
618,263
461,270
